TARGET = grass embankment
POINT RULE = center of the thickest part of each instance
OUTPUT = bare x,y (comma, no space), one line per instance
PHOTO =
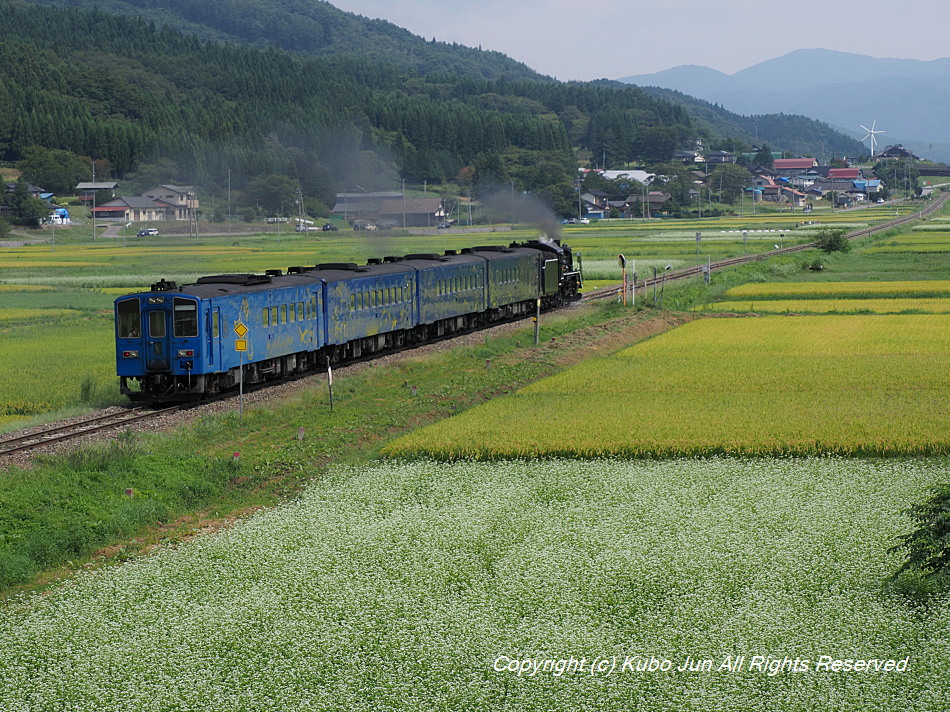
66,508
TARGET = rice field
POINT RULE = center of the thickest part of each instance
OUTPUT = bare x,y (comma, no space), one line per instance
55,368
833,306
823,290
7,315
851,385
470,586
915,242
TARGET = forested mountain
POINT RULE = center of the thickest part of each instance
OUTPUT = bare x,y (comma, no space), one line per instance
366,106
313,27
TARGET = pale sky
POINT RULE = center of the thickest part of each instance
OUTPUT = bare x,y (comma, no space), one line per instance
610,39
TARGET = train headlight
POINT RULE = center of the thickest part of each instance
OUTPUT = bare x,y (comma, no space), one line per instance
185,353
156,300
130,354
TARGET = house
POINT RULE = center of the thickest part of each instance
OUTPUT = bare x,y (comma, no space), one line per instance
844,173
795,197
181,201
595,199
896,152
362,206
793,166
636,174
86,192
688,157
721,157
410,212
651,203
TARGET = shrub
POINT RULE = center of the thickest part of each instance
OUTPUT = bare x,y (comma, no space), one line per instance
832,240
928,546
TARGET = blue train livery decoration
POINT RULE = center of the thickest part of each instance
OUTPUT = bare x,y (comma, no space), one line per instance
179,343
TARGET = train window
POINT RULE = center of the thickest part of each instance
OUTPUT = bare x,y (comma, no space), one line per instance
129,319
265,317
299,311
156,324
215,329
273,316
293,317
283,313
186,317
313,307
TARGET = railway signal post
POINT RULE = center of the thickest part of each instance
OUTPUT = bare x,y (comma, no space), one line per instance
240,345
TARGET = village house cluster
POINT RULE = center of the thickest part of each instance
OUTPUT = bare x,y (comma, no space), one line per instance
797,182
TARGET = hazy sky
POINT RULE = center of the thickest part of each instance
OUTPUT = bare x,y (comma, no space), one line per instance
568,39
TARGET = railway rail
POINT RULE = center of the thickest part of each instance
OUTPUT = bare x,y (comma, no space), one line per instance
59,433
932,207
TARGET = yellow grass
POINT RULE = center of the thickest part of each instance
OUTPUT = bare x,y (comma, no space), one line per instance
24,288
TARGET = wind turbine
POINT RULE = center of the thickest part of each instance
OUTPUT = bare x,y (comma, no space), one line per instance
872,133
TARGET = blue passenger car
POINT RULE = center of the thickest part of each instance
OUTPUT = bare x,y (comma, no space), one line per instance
179,343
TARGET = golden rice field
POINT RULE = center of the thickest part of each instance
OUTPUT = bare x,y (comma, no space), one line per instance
7,315
25,288
32,264
831,306
823,290
854,385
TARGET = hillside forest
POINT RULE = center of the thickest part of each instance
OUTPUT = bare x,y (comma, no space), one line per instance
148,102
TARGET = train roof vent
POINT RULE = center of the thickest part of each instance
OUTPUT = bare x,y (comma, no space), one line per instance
348,266
374,261
163,286
273,272
426,256
244,280
450,253
392,258
492,248
466,250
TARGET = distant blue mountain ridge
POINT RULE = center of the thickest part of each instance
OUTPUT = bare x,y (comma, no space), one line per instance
908,98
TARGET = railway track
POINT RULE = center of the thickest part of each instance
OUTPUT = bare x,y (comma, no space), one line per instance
60,433
607,292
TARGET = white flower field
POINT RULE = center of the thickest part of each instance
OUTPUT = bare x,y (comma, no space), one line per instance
425,586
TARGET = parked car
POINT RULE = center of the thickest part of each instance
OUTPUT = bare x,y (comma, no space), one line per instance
330,226
444,225
147,232
584,221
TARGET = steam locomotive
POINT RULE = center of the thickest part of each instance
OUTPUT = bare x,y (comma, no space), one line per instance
175,344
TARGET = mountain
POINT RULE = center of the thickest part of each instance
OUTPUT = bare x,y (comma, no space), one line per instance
252,96
797,135
313,27
907,98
